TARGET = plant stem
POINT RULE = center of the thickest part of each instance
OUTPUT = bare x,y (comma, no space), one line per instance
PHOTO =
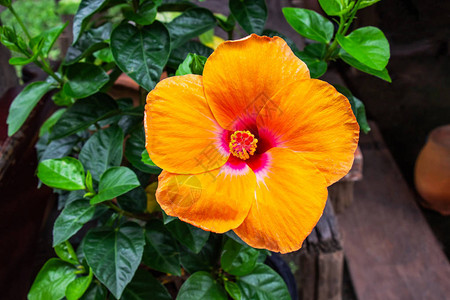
19,20
334,44
127,213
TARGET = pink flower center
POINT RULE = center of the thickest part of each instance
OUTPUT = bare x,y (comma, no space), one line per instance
242,144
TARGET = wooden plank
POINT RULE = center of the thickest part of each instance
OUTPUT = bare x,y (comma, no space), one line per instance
391,251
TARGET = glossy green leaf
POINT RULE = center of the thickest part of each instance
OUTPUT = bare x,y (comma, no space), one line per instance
233,290
383,74
178,55
167,219
134,200
83,114
24,103
71,219
366,3
238,259
78,287
66,253
102,151
368,45
145,13
161,250
49,37
114,254
250,14
201,285
309,24
316,66
48,124
263,283
21,61
190,24
193,64
115,182
205,260
145,158
12,41
90,41
60,148
95,292
357,107
141,53
192,237
63,173
85,11
52,280
134,147
226,23
336,7
145,287
84,79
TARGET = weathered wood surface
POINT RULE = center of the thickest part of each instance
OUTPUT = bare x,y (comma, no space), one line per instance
319,263
390,249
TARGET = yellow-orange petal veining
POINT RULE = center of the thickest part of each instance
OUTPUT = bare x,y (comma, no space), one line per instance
217,200
311,117
290,197
181,133
241,76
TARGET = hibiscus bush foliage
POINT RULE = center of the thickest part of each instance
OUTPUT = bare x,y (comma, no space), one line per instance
111,238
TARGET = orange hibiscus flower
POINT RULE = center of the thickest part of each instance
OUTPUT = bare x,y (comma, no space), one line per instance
251,145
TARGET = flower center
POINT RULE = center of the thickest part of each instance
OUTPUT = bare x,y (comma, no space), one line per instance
242,144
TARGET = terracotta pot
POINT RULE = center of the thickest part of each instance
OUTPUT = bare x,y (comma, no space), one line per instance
432,171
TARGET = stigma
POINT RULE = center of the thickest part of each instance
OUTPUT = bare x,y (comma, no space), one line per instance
242,144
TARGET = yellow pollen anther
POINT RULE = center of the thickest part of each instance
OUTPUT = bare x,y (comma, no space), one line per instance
242,144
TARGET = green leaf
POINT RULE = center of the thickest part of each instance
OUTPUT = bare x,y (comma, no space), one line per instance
250,14
134,148
62,173
226,23
115,182
161,250
14,42
78,287
316,66
365,3
201,285
178,55
335,7
84,79
309,24
368,45
85,11
192,237
134,200
66,253
383,74
50,122
145,158
233,290
90,41
141,53
357,106
20,61
49,37
190,24
167,219
114,254
316,50
205,260
193,64
263,283
102,151
83,114
238,259
71,219
144,287
60,148
95,292
144,15
52,280
24,103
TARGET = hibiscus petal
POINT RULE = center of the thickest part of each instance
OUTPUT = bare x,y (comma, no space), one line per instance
182,135
240,76
311,117
290,197
217,200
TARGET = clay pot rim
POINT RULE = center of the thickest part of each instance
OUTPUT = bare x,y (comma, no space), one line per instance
440,136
